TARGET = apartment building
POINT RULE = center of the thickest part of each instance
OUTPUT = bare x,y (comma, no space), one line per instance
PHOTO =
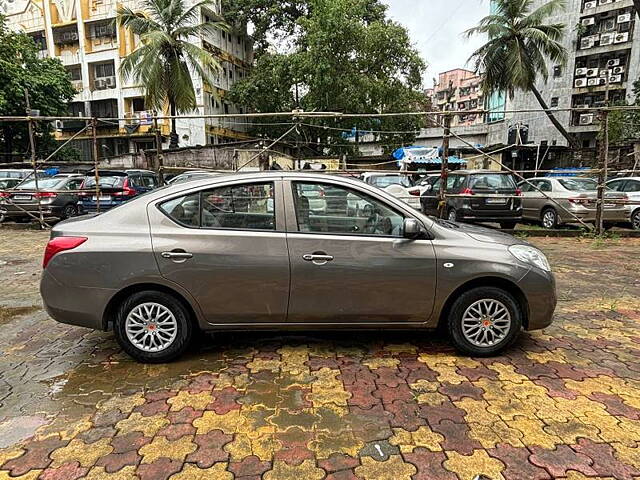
604,59
458,90
84,36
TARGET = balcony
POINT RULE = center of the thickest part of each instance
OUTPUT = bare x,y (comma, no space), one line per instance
102,9
69,57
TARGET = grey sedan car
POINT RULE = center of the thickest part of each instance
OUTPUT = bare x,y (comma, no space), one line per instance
246,251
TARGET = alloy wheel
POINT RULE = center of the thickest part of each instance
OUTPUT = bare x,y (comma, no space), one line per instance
549,219
151,327
486,323
452,215
635,220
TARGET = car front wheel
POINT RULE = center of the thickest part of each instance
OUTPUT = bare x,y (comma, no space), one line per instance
635,220
153,327
483,321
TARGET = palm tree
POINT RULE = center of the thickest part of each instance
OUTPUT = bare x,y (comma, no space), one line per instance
167,54
520,45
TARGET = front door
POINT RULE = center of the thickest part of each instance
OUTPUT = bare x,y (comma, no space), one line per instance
227,246
350,263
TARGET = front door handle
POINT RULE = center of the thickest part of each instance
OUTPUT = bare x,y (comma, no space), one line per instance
317,258
175,255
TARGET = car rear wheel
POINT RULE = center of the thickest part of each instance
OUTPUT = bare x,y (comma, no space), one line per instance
69,211
153,327
549,218
635,219
483,321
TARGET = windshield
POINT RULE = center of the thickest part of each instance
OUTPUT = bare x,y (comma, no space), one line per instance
43,184
492,181
385,181
106,181
12,174
579,184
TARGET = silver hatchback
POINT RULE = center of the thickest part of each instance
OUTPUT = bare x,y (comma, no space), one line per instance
248,251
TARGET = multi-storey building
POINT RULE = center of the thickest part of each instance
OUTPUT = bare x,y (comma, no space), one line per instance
458,90
84,36
604,59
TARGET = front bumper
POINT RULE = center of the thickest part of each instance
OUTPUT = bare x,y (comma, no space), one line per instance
539,288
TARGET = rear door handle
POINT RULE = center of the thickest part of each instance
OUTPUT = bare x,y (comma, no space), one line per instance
317,258
176,255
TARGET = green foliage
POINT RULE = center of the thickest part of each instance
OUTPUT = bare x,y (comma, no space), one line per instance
165,56
624,125
49,87
340,55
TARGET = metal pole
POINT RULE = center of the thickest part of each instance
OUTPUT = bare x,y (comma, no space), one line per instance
32,143
603,164
444,170
159,160
94,138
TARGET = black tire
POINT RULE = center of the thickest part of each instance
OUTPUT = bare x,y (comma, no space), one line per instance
184,327
69,211
468,298
452,215
549,218
635,219
508,225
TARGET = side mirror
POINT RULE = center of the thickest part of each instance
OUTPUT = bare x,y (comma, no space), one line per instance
411,228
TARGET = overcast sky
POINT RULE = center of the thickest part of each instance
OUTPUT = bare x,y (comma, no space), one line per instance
436,28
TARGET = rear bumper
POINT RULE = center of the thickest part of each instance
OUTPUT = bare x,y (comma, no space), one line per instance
78,306
21,210
490,215
539,288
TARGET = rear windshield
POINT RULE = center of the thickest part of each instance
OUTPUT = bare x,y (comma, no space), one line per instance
492,181
43,183
12,174
385,181
106,181
579,184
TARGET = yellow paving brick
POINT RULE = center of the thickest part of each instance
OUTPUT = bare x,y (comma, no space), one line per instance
197,401
78,451
161,447
124,403
395,468
149,426
100,473
210,420
422,437
533,433
306,470
378,362
31,475
328,443
466,467
260,364
191,472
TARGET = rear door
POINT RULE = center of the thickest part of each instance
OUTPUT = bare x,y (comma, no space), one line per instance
227,246
530,197
350,268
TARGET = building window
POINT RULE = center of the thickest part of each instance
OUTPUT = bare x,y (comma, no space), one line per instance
104,70
138,104
75,73
554,102
557,71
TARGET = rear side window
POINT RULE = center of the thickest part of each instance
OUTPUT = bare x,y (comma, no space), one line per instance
245,207
149,181
632,186
492,181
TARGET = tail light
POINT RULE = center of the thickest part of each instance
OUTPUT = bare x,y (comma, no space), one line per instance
45,195
518,192
127,191
415,192
321,193
60,244
467,191
5,194
579,201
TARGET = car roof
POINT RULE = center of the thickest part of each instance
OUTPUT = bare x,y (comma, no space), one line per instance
624,178
475,172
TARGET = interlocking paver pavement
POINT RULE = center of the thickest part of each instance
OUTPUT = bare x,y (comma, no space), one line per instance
563,403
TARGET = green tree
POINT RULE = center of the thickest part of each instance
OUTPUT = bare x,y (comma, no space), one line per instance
331,55
167,54
624,125
519,46
49,87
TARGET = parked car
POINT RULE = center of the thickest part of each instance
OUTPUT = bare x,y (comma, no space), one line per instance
477,196
20,173
570,194
631,188
7,183
116,187
188,258
191,175
57,197
397,184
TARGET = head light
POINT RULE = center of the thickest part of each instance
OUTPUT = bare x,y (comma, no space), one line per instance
530,255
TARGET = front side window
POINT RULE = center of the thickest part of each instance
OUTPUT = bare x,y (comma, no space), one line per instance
339,210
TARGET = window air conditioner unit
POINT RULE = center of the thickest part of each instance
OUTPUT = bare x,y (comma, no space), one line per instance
58,124
609,25
110,82
581,72
593,82
605,2
614,62
617,70
586,43
590,5
582,107
592,72
615,79
624,18
621,37
580,83
586,119
588,21
100,84
606,39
